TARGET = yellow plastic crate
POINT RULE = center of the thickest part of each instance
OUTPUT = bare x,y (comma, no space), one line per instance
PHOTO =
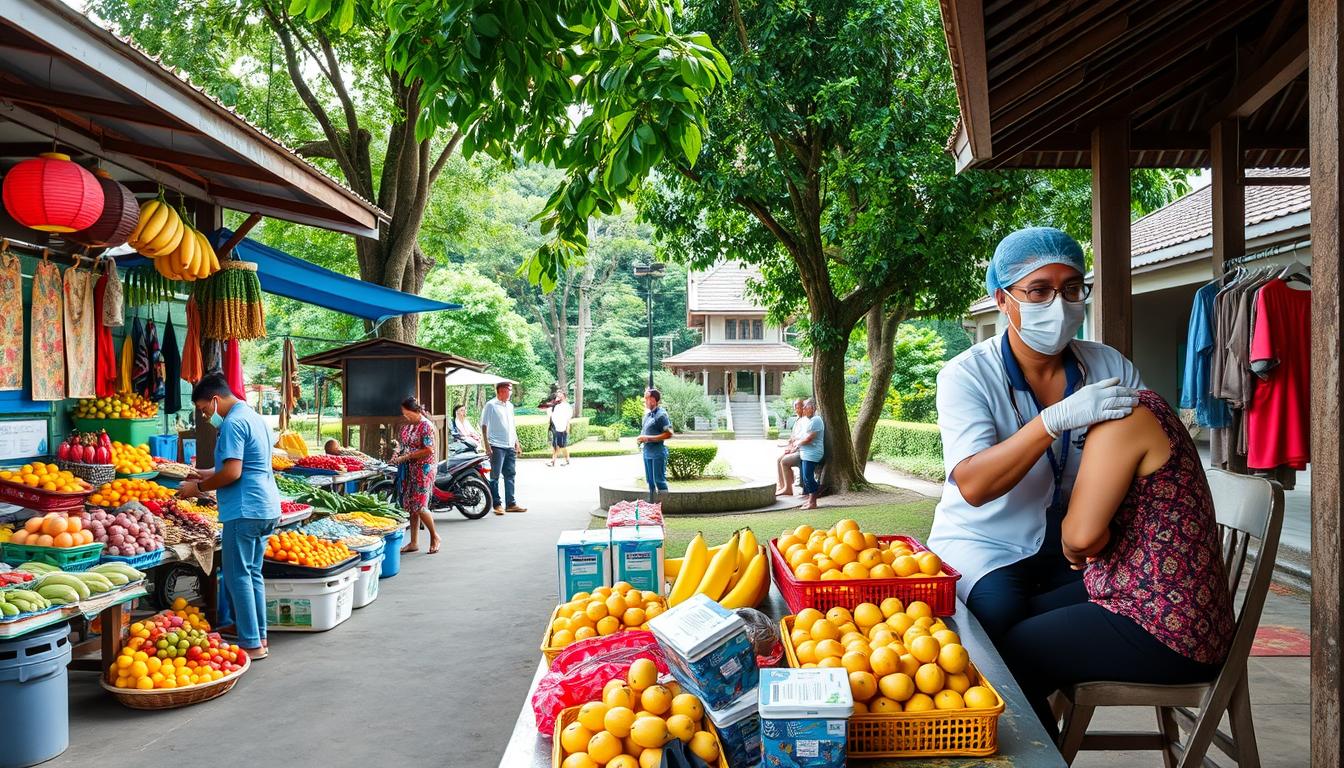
571,714
943,733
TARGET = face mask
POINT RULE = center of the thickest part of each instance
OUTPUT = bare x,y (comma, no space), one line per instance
215,419
1048,328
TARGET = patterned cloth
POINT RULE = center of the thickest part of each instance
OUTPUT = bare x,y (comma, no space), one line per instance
11,322
114,310
416,478
1163,568
47,352
154,378
81,334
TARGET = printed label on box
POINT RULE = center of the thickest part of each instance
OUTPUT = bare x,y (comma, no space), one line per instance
582,565
731,668
639,561
835,727
289,612
809,748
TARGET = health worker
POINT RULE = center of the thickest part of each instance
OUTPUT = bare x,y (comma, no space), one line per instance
1014,411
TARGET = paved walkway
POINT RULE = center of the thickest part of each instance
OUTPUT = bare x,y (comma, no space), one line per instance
434,672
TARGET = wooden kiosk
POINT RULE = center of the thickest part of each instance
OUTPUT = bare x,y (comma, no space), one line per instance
376,375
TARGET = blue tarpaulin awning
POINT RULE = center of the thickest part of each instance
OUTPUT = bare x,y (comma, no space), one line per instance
294,278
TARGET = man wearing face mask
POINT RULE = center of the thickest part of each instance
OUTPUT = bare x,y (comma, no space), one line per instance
249,502
1013,411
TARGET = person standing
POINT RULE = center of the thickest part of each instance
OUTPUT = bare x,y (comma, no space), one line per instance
499,432
561,414
653,437
415,464
811,451
249,502
790,459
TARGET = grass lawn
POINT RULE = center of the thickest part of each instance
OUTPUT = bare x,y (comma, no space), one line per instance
910,519
590,447
702,483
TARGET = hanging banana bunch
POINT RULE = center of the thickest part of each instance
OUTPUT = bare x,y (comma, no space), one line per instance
193,259
160,229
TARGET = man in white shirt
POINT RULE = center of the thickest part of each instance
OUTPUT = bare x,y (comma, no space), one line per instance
789,459
497,427
561,413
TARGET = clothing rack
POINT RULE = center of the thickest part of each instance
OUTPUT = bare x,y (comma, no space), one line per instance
1266,253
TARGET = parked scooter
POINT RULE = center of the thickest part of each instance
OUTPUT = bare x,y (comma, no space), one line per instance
461,481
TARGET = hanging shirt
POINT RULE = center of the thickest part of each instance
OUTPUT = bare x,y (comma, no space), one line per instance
155,378
979,406
1199,345
105,352
233,368
172,368
140,360
125,383
193,368
1279,416
11,322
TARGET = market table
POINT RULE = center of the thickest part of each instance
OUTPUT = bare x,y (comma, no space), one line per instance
1022,740
107,607
337,482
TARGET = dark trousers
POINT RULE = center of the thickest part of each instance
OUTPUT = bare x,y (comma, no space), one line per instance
502,461
808,470
1004,596
1069,640
655,471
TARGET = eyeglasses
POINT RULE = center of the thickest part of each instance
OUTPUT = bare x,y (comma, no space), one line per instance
1044,294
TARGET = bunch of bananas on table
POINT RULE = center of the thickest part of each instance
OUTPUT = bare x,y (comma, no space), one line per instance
56,587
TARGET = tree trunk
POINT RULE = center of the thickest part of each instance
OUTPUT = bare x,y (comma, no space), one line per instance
581,338
882,325
558,306
843,469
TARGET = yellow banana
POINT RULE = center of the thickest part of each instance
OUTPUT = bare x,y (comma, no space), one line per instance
189,256
692,569
163,267
749,586
746,548
153,217
719,571
211,264
147,212
672,566
169,238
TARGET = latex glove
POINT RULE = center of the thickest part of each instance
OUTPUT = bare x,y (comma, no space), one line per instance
1102,401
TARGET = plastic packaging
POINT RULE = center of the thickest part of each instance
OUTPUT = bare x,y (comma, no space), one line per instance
635,513
581,670
763,634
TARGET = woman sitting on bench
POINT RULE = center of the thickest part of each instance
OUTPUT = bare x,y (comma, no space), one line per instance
1153,605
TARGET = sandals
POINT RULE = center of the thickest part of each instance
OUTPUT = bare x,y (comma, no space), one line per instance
409,549
434,547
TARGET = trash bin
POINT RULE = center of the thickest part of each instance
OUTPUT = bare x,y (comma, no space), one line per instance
34,686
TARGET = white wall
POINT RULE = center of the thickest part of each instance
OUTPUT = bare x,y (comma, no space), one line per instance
1161,320
715,330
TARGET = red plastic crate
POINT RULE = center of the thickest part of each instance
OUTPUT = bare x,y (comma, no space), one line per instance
39,500
940,592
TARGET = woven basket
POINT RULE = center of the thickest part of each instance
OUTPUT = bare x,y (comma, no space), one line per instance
250,266
172,698
96,474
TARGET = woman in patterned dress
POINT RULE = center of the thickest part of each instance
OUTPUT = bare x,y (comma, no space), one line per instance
415,478
1153,605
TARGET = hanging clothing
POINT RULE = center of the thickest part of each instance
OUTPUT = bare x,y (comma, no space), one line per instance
47,353
153,383
11,322
289,382
172,368
126,368
140,360
192,366
104,352
1280,415
233,368
80,334
1195,381
212,356
114,308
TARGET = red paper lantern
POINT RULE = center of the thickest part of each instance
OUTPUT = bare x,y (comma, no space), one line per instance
120,215
51,194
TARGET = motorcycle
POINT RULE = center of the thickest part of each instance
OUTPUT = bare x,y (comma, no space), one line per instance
461,482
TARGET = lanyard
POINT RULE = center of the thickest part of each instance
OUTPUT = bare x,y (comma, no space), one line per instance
1073,376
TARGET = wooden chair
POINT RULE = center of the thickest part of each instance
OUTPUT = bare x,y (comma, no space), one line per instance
1246,508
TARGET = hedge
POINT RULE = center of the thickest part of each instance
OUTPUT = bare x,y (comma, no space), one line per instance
772,433
920,466
904,438
687,460
532,431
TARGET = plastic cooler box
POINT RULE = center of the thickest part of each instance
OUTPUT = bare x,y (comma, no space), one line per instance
739,729
805,716
366,584
707,650
163,446
310,605
189,451
34,691
132,431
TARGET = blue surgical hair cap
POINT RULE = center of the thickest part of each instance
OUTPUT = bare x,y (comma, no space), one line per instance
1026,251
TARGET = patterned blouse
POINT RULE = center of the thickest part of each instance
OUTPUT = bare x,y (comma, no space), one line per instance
1163,568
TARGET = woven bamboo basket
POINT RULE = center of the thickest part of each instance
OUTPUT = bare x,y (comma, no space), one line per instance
96,474
172,698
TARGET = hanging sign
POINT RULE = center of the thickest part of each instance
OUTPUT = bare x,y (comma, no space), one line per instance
23,439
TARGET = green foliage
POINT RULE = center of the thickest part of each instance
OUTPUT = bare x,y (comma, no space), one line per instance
794,386
683,400
533,432
718,468
923,467
955,338
632,412
611,434
919,406
487,328
898,438
918,355
688,459
772,433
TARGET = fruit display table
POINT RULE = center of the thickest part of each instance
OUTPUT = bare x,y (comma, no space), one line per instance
1022,740
107,607
338,482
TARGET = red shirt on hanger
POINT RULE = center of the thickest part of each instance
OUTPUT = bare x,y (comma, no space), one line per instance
1279,416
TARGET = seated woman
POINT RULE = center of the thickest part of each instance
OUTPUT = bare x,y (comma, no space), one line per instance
1153,605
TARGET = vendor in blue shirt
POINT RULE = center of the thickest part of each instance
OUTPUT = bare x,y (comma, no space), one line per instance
1013,412
653,436
249,502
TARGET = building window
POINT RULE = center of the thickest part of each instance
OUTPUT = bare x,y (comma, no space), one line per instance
744,329
757,330
730,330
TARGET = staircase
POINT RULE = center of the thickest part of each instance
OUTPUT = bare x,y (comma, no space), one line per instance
747,420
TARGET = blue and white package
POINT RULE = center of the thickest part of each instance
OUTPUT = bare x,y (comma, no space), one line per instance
707,650
739,727
583,558
804,717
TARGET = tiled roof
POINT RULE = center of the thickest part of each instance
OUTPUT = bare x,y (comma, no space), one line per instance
722,288
736,354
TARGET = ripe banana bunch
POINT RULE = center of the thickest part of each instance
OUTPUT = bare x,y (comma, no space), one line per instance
194,259
736,574
159,231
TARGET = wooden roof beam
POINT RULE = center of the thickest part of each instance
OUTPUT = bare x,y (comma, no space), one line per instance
1256,88
189,160
966,43
88,105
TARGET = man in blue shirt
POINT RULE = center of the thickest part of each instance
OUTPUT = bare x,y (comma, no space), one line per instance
653,437
249,502
811,450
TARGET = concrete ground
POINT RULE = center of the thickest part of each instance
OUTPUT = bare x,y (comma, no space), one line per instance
435,671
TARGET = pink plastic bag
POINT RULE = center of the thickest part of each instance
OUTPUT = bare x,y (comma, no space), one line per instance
580,671
635,513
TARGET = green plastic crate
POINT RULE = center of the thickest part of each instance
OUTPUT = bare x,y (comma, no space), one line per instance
65,558
131,431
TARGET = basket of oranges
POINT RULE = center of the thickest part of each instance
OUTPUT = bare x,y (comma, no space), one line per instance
295,555
125,489
42,487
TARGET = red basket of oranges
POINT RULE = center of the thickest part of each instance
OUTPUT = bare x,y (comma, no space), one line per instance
938,589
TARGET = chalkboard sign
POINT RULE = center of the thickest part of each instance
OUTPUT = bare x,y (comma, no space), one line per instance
376,386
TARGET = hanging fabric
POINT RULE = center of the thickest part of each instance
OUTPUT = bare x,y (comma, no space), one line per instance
47,355
11,321
1195,379
104,352
193,368
233,368
289,382
172,368
125,382
1279,416
140,362
114,304
154,389
212,356
80,334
